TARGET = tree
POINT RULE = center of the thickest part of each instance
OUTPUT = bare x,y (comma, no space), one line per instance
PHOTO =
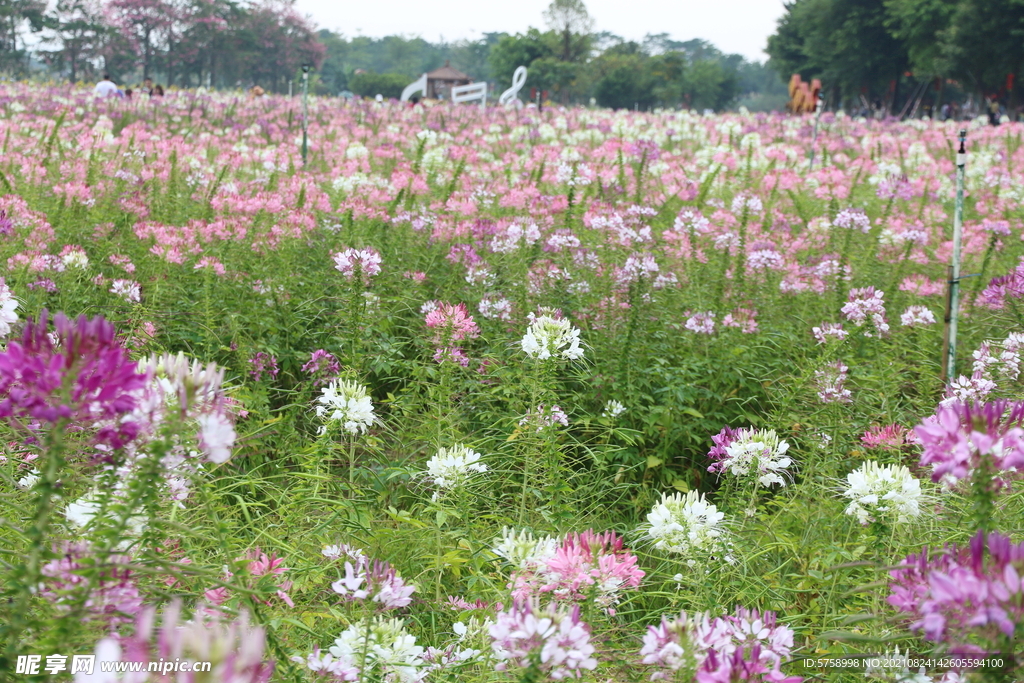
15,15
521,50
274,42
369,84
625,82
984,43
920,24
204,41
846,43
333,75
79,34
710,85
144,25
570,20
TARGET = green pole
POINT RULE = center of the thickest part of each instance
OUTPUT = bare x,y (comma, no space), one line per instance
305,112
954,280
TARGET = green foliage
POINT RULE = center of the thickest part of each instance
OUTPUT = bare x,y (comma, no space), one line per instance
370,84
846,43
520,50
624,85
865,49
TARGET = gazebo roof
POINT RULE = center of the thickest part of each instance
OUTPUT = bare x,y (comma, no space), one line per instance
447,73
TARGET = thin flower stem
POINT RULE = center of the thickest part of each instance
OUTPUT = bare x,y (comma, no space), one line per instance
37,533
351,463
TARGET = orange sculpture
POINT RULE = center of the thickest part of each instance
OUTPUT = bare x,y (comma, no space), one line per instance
803,98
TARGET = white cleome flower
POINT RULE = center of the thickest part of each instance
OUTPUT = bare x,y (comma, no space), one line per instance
81,513
348,403
29,480
878,493
8,304
453,467
549,337
761,452
524,551
217,436
688,525
894,667
613,409
382,649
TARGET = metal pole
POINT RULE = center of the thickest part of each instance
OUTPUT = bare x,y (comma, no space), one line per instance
814,140
954,280
305,112
947,317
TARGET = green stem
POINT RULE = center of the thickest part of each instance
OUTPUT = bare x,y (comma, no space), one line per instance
46,489
352,463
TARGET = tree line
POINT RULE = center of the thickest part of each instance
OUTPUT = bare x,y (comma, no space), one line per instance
230,43
904,55
218,43
569,61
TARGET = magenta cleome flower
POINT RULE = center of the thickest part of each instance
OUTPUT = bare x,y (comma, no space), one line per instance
374,580
723,440
112,598
262,363
829,330
746,646
959,435
357,263
586,565
891,436
739,666
701,323
452,322
867,305
743,318
1001,289
831,383
322,365
971,598
81,374
553,639
234,649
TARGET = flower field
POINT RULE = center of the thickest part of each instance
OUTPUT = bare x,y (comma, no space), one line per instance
504,395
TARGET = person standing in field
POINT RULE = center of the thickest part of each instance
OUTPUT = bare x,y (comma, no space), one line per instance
993,111
105,88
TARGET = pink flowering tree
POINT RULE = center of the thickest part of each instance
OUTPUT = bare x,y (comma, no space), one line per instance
144,24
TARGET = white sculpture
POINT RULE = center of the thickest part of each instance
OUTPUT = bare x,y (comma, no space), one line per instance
419,85
511,96
468,93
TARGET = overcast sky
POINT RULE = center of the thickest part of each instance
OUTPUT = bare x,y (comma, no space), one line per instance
740,26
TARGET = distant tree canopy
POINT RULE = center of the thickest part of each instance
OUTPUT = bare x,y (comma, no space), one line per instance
891,50
225,43
369,84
